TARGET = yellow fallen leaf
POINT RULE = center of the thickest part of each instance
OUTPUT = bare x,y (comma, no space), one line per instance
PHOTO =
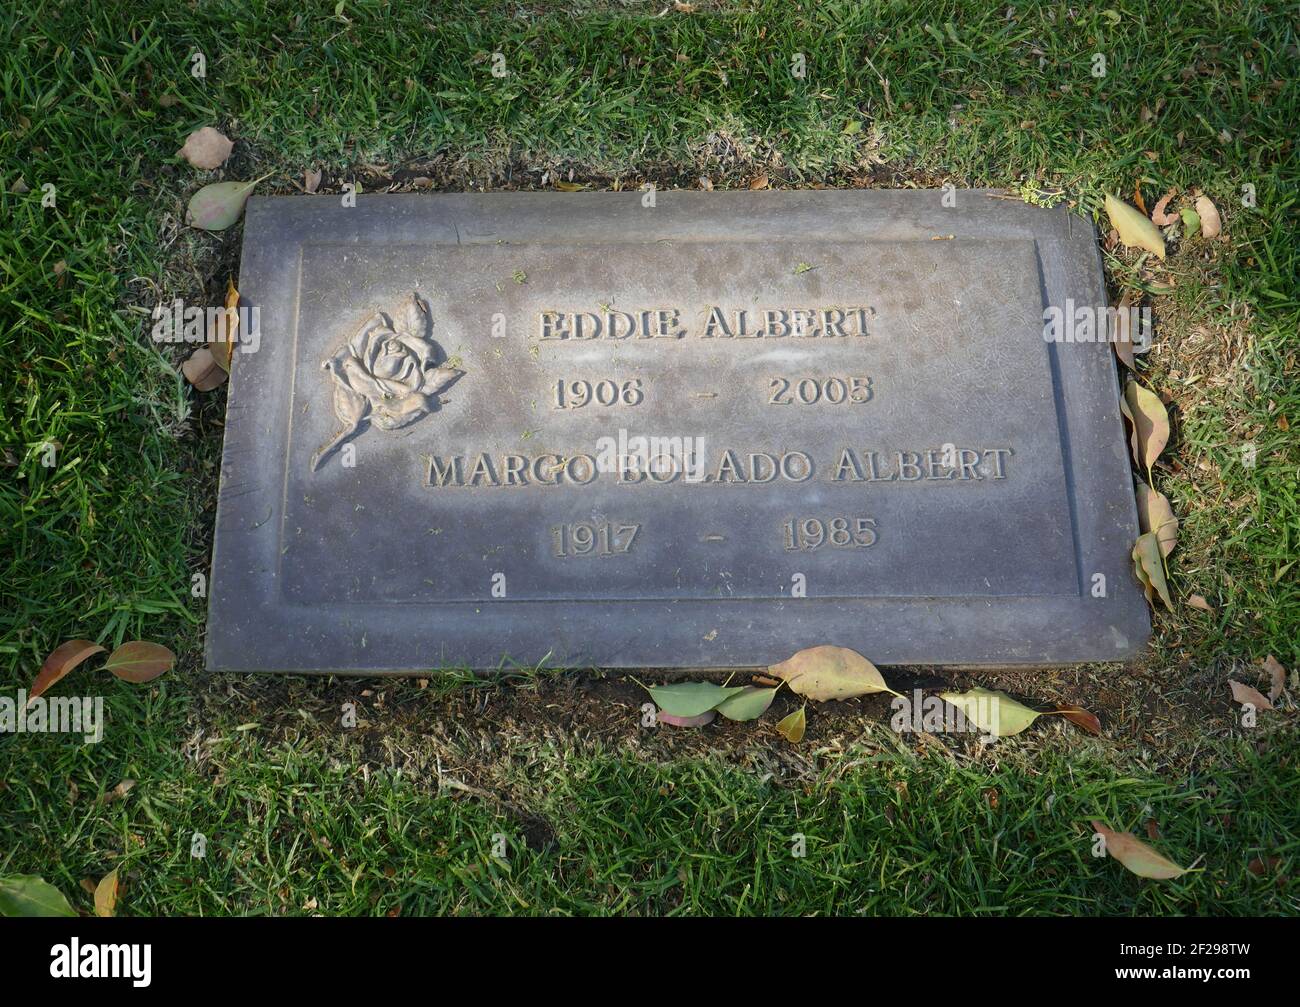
793,726
993,712
106,895
1135,230
1137,856
826,672
1155,514
1150,421
1149,568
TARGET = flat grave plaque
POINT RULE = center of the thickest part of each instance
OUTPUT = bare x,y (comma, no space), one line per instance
481,430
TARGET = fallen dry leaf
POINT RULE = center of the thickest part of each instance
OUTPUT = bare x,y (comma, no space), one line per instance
118,792
206,148
1137,856
106,895
1150,421
1158,215
1277,675
1149,568
758,182
60,663
792,727
826,672
311,180
1211,223
1078,715
1197,601
1135,230
1155,514
1245,694
202,370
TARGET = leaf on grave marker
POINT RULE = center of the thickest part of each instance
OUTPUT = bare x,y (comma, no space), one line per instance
1198,602
31,895
1137,856
1078,715
1277,676
1158,215
206,148
202,370
827,672
748,705
223,350
1149,568
215,207
1135,230
991,711
1123,337
690,699
1211,222
707,717
1245,694
106,895
1155,514
793,726
62,660
1150,421
1191,221
139,661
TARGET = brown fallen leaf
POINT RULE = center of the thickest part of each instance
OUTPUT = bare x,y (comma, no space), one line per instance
1263,865
64,658
1245,694
206,148
118,792
758,182
1277,675
1197,601
1155,514
1123,341
1158,215
1078,715
311,180
106,894
202,370
1137,196
1137,856
1153,830
223,348
1211,223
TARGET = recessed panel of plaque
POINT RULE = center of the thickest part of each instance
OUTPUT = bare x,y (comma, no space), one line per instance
699,430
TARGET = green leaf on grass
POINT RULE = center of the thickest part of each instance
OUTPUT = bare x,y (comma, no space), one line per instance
690,699
31,895
215,207
751,704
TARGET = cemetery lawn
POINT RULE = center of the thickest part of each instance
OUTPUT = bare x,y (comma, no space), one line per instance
402,813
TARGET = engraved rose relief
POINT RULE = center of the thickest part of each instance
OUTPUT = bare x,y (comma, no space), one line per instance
388,374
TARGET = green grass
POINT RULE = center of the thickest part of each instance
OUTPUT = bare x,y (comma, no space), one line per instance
104,543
